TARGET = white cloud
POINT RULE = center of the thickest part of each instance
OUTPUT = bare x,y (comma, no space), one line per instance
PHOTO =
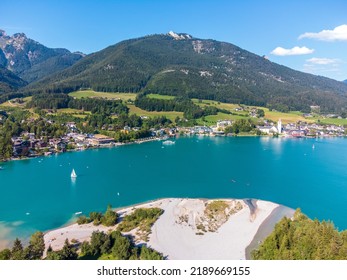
323,66
339,33
320,69
323,61
293,51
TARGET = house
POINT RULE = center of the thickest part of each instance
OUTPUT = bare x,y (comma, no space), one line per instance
21,148
223,124
99,139
298,133
71,126
61,146
268,129
28,135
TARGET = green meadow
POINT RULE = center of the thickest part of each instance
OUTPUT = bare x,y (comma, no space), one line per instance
138,111
107,95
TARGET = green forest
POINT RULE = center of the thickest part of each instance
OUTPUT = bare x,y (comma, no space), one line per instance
303,239
222,72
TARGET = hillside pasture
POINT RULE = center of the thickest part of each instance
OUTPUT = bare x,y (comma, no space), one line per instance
169,114
107,95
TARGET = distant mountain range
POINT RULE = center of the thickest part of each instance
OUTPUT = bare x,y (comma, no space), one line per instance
345,81
180,65
31,60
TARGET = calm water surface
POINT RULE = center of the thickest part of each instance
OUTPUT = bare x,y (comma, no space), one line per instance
38,194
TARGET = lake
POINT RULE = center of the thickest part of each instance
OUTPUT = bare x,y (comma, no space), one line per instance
311,174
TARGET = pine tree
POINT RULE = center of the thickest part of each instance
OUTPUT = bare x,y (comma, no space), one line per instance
36,245
121,248
17,252
68,252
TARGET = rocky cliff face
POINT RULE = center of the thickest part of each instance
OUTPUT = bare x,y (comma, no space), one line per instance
31,60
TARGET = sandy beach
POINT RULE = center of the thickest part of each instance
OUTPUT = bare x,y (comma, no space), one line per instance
184,230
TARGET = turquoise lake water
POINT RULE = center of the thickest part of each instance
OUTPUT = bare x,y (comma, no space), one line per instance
38,194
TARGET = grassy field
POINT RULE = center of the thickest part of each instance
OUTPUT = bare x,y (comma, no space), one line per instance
158,96
220,105
108,95
12,103
291,117
170,115
74,112
271,115
212,119
333,121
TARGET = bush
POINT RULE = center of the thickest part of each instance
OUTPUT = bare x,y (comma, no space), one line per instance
110,217
83,220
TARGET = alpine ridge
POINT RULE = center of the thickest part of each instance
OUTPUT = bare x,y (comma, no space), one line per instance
182,65
31,60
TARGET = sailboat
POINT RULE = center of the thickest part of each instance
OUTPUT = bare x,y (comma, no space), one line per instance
73,174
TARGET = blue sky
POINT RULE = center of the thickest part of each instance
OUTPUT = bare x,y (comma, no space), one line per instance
306,35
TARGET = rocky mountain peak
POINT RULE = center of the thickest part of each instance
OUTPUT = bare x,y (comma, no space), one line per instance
179,36
31,60
19,35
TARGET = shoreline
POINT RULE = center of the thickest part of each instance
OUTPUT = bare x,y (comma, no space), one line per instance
177,240
139,141
115,145
267,227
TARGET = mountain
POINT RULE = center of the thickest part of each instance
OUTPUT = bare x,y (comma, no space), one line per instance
31,60
345,81
9,81
179,64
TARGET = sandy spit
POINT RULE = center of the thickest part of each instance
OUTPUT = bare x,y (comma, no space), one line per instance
179,240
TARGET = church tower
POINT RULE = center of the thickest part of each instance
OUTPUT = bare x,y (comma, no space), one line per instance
279,126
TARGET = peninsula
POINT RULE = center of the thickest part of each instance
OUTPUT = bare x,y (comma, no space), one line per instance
191,228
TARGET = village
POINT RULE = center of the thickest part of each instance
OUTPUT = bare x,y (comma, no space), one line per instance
28,145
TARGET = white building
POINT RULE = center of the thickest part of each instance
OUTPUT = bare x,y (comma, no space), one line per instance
279,126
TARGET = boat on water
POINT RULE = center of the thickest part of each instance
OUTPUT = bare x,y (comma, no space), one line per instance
73,174
168,142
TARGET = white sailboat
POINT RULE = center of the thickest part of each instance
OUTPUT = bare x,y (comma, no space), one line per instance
73,174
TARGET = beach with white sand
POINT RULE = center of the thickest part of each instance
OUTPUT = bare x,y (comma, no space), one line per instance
190,228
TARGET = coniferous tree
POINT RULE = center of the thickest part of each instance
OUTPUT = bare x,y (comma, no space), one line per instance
5,254
17,252
121,247
303,239
68,252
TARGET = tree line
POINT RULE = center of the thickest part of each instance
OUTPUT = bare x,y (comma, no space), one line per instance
178,104
301,238
95,105
112,245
